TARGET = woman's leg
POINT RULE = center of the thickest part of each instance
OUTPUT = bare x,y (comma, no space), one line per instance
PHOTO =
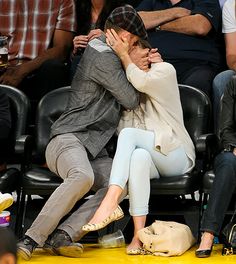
129,140
119,176
145,165
135,245
220,196
142,169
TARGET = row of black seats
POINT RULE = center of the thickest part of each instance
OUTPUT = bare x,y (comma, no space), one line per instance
34,179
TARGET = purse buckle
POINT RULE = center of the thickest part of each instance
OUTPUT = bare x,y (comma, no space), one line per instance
228,251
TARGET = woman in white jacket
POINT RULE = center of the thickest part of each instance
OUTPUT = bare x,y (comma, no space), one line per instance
157,145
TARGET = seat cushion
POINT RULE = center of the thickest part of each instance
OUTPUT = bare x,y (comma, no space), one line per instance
41,181
9,180
176,185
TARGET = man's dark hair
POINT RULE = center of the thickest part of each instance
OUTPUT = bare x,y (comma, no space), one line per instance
7,242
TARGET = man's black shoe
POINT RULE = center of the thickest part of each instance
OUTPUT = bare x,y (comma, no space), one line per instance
25,247
60,243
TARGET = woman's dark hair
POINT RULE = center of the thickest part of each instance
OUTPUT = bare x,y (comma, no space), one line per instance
83,11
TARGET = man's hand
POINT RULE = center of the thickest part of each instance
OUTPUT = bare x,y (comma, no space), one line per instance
120,46
13,75
234,151
152,19
154,56
181,12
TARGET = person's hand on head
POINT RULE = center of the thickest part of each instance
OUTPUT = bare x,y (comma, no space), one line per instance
140,57
94,33
80,41
154,56
120,46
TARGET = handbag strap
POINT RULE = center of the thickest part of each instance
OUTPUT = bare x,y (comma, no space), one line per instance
233,216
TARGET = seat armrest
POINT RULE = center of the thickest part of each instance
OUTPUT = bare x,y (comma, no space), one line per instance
207,142
207,146
23,149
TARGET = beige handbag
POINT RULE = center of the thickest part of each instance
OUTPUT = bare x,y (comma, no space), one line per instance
164,238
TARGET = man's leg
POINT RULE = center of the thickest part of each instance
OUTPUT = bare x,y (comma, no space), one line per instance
67,157
73,225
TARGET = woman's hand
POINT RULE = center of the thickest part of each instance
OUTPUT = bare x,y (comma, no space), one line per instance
94,33
154,56
140,57
120,46
80,41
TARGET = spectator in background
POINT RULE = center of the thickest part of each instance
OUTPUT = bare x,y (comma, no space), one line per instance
91,18
185,33
225,174
40,37
221,80
7,247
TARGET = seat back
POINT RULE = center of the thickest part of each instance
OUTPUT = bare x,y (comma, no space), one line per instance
19,107
196,110
50,107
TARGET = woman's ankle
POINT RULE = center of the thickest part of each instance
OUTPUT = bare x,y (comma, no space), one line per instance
206,241
135,243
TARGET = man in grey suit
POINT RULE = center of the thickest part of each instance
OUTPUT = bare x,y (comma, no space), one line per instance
76,151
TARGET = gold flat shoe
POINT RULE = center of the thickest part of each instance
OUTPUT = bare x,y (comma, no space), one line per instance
116,215
134,251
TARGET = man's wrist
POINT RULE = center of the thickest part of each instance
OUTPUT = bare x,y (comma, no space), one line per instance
229,148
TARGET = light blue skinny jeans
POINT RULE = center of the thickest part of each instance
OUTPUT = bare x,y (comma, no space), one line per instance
136,162
219,85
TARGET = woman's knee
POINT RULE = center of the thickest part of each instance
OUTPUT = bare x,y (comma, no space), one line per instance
140,161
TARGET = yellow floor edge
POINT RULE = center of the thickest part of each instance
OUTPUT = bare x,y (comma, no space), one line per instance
94,254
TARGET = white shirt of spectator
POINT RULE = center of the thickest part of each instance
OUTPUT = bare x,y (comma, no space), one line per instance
222,3
229,19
